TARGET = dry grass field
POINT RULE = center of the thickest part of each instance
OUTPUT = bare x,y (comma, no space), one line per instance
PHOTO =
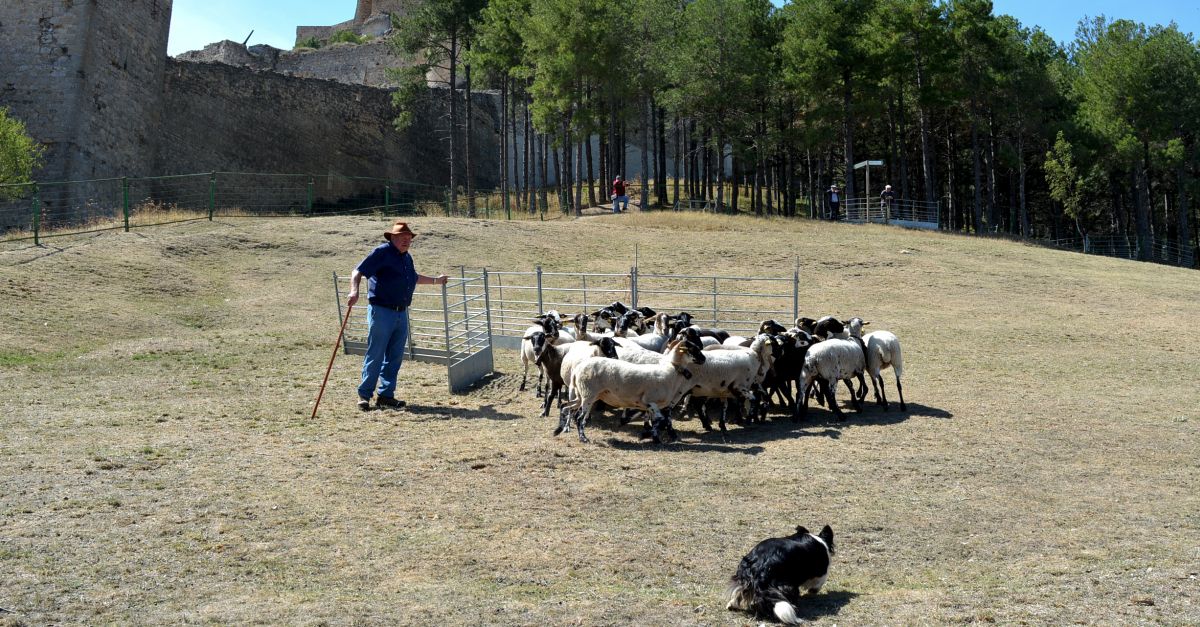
158,464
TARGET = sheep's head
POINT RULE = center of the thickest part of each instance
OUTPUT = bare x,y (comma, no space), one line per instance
605,318
689,334
856,326
607,346
581,322
627,321
771,327
537,340
806,324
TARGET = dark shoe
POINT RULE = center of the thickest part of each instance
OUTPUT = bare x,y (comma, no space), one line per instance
364,404
389,403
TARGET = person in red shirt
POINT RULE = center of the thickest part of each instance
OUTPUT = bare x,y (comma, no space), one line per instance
618,195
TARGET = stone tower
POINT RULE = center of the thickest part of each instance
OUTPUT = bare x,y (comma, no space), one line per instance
87,80
367,8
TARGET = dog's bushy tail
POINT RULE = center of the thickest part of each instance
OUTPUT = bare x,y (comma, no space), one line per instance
786,613
762,602
779,602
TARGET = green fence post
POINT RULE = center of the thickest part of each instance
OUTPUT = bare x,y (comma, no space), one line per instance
448,214
309,202
507,206
37,215
125,201
487,207
387,198
212,194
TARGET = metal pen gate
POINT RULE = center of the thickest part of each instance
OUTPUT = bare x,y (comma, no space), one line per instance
736,304
449,325
453,325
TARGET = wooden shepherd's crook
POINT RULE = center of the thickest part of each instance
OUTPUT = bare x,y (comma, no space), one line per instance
336,344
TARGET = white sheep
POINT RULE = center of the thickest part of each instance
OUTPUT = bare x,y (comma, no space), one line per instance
553,359
829,362
883,350
732,373
650,387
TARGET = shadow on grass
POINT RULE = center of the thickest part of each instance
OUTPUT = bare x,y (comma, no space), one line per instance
485,412
812,607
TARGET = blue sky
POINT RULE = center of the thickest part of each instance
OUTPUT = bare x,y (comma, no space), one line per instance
195,23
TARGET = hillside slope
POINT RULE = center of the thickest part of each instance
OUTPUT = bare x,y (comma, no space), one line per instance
158,463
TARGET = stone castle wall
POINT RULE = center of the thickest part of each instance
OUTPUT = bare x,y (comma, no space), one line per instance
224,118
354,64
86,78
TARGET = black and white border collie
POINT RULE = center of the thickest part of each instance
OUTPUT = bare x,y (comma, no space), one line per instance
771,577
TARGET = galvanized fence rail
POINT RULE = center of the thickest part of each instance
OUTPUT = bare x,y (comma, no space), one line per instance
901,212
449,325
1162,251
458,325
736,304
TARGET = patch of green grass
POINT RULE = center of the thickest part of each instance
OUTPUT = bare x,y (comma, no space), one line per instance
10,359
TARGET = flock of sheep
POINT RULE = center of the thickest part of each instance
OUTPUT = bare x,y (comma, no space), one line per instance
642,360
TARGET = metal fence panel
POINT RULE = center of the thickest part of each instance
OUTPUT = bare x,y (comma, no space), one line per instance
449,325
902,212
517,297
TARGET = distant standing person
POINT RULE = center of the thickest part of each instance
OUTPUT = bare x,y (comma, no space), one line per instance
619,196
834,202
885,201
391,281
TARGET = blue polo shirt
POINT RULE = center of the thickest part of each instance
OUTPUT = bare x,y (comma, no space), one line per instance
392,279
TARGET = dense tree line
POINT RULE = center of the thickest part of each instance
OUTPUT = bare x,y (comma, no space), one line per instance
1006,130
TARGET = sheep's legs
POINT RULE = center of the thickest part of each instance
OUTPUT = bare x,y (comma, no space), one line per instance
880,393
856,399
657,419
829,391
581,420
900,389
556,389
564,417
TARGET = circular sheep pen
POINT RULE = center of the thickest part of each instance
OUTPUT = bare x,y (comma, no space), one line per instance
160,465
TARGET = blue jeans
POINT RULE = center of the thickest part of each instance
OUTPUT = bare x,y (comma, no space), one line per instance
617,201
386,336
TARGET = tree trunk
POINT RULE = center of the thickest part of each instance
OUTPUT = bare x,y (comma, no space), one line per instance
591,176
733,192
543,158
645,139
453,120
678,157
848,130
1182,209
1024,169
529,165
470,169
504,146
977,206
1143,205
662,158
720,158
927,156
579,176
